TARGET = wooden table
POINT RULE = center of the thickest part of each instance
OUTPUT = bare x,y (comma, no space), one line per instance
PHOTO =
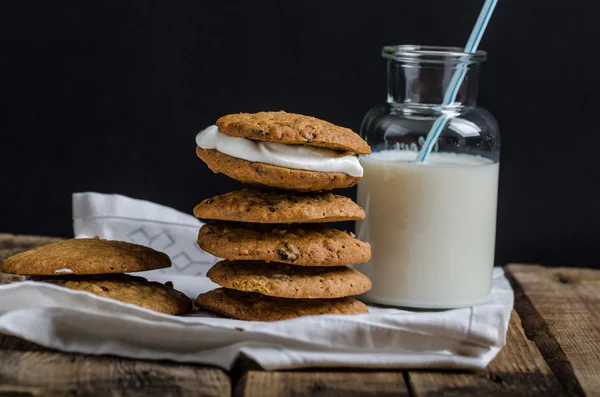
553,350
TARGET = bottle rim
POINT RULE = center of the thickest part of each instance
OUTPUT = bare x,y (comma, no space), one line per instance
432,54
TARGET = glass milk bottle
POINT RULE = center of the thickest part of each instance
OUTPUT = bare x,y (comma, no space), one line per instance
432,225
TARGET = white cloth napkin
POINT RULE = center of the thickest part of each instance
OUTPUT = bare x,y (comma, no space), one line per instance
78,321
116,217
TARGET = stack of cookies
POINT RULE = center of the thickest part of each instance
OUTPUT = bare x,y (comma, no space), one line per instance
281,261
98,266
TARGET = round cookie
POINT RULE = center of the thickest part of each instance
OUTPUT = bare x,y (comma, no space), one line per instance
288,281
304,245
274,176
250,306
274,206
86,256
129,289
293,129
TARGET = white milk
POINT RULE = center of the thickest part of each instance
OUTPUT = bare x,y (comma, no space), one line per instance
432,228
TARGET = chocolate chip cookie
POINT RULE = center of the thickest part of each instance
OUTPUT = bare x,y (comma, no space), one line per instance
85,256
274,176
288,281
128,289
276,206
304,245
291,128
251,306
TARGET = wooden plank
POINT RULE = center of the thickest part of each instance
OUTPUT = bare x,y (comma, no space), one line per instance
30,370
24,242
560,310
519,369
321,383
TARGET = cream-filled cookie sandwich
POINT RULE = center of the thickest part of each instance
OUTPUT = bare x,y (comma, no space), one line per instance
283,150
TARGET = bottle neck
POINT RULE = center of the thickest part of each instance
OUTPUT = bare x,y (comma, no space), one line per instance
422,85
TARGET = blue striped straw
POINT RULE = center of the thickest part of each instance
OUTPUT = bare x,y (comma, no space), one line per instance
457,79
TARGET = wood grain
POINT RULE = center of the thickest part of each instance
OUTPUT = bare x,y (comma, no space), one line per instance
321,383
560,310
30,370
518,369
24,242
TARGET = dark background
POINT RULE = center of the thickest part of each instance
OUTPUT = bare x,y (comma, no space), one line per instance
108,96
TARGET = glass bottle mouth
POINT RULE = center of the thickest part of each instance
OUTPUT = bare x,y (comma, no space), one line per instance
432,54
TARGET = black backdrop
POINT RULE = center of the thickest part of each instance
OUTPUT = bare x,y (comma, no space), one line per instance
108,96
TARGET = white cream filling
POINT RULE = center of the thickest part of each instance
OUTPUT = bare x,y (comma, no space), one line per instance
297,157
65,270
